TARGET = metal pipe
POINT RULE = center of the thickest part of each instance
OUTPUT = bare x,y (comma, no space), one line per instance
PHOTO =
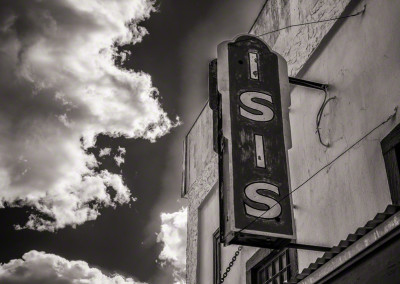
308,247
308,84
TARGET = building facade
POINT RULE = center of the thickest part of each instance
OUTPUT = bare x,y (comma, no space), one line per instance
344,177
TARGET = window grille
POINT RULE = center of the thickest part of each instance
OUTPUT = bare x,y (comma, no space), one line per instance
274,270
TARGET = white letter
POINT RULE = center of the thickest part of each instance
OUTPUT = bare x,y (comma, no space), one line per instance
253,60
251,192
246,98
259,151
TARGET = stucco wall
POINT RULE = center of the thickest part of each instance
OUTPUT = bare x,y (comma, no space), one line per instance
209,223
199,147
359,59
203,215
201,177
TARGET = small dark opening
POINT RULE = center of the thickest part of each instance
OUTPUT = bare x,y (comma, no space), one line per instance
397,150
240,61
391,154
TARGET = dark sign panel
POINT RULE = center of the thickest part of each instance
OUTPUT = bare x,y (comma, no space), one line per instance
253,85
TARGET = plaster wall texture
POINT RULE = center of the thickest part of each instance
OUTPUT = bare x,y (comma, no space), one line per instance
209,223
203,215
359,58
201,176
200,147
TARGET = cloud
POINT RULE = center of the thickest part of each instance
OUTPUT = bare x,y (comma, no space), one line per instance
60,88
41,268
104,152
119,159
173,237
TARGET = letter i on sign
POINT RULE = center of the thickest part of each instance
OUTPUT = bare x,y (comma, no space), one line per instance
253,83
253,60
259,151
253,65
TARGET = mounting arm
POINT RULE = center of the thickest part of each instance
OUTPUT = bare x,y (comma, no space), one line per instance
308,84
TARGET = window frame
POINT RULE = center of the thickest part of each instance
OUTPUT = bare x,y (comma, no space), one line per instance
216,257
391,152
265,257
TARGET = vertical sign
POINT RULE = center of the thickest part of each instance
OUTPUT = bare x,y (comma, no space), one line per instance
253,85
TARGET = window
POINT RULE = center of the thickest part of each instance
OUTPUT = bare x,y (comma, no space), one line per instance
391,155
217,256
275,267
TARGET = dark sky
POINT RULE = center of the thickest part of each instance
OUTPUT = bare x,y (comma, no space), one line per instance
183,36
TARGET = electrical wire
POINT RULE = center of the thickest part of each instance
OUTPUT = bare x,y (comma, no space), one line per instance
287,27
318,121
321,169
319,116
314,22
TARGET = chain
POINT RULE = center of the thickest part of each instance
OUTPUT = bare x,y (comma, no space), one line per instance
230,264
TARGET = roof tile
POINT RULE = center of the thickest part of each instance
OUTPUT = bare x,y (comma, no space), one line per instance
351,238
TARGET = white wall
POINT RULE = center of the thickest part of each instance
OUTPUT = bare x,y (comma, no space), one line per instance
208,224
361,63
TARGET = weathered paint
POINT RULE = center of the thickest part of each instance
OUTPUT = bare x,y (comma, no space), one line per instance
360,61
203,178
362,67
199,144
252,81
209,221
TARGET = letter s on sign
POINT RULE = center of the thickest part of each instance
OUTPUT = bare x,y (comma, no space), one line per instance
251,192
246,98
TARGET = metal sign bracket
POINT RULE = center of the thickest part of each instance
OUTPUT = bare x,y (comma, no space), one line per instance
308,84
309,247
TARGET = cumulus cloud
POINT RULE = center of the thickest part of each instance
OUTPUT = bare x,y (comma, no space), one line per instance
60,88
173,237
104,152
119,159
42,268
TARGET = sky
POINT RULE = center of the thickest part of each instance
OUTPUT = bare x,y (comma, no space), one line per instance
96,99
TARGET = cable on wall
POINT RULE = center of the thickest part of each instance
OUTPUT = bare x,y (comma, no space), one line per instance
320,114
313,22
290,26
318,122
324,167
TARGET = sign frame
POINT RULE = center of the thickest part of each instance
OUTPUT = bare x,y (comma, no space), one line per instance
251,234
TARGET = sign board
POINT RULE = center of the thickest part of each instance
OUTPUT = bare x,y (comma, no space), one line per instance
253,86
